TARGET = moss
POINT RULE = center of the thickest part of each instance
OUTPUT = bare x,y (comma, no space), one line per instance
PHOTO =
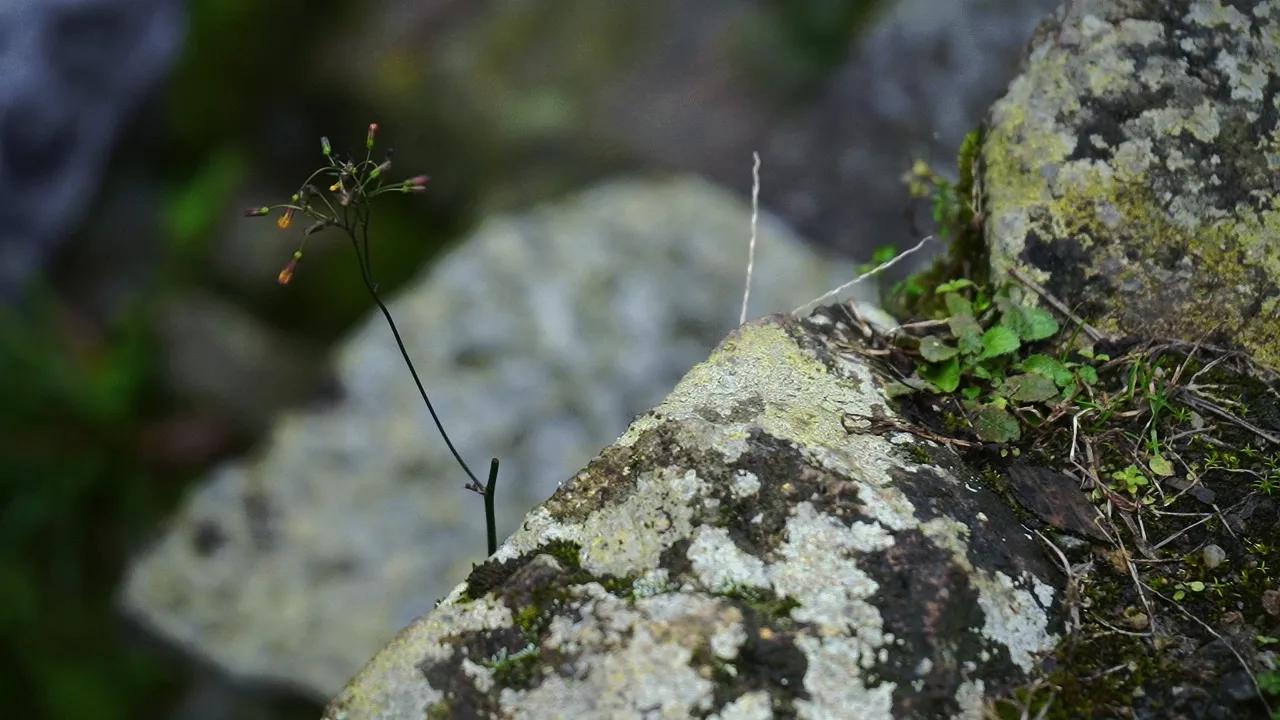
918,453
440,710
491,574
961,221
1146,199
768,605
518,670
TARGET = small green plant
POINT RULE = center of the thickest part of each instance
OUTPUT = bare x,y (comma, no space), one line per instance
1269,682
513,668
339,195
1130,479
978,355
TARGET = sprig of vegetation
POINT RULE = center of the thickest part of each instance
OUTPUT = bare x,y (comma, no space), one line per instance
983,355
339,195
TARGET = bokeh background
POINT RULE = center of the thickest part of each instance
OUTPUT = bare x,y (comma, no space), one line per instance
143,338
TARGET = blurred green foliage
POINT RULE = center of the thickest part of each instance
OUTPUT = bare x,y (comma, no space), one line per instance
794,44
76,502
197,207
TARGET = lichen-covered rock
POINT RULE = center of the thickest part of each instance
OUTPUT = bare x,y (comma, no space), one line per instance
744,550
1134,166
539,339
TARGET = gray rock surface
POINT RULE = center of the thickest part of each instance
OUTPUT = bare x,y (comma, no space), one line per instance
1135,165
539,338
70,72
742,551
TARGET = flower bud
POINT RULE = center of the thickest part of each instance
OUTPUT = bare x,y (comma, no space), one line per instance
368,139
325,147
386,165
286,274
257,212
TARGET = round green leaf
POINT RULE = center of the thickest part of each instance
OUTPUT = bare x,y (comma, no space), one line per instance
1030,387
934,350
998,341
1161,466
993,424
1049,367
944,375
1037,324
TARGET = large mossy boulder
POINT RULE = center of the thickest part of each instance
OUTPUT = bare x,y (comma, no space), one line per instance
739,552
1134,168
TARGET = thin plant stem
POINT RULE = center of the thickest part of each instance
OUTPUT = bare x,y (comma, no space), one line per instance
371,286
490,520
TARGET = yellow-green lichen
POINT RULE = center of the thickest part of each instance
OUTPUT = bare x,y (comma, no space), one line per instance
1144,198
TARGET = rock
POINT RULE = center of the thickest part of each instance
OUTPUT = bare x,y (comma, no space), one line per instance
70,73
845,579
694,87
1133,166
538,339
1213,556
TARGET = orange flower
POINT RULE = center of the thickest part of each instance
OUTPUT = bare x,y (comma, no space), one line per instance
284,220
286,274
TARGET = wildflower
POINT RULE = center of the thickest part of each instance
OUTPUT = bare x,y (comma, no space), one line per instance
257,212
325,147
285,220
286,274
368,139
415,183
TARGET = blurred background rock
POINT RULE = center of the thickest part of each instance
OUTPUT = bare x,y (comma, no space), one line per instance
144,342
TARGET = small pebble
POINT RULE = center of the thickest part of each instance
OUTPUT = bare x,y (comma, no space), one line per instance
1213,556
1271,602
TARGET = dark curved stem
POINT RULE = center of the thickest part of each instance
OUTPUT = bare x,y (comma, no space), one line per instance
372,287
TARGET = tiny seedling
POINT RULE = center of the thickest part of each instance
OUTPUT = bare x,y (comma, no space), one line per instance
339,195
